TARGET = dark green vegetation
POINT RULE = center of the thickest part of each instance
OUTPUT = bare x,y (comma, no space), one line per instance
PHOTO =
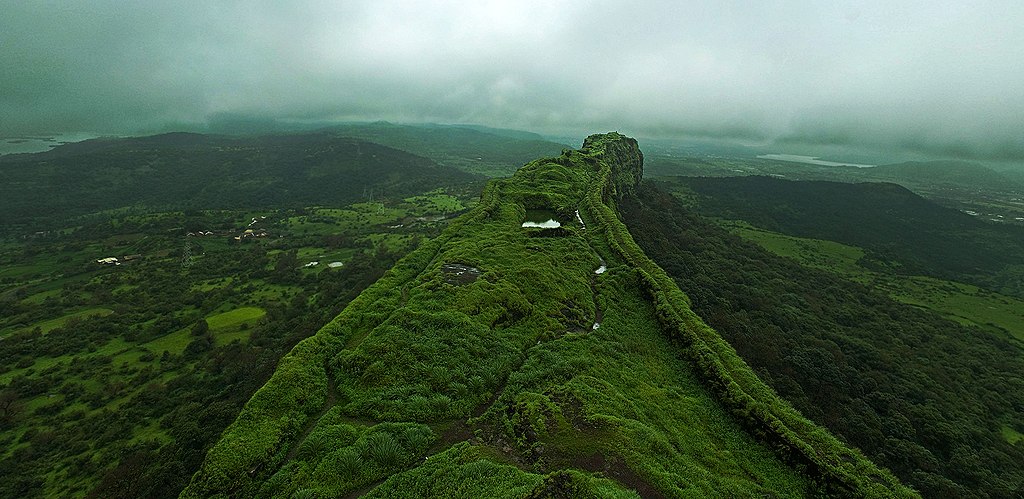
964,303
937,402
994,196
116,379
991,195
948,174
100,178
896,228
495,361
473,367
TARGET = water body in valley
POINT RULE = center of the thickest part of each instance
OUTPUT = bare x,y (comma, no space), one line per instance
39,143
810,160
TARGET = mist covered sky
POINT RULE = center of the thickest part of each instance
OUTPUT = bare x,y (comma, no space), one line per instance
934,76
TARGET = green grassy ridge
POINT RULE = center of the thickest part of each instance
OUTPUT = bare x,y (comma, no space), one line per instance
620,400
489,209
530,401
464,471
379,363
257,438
750,398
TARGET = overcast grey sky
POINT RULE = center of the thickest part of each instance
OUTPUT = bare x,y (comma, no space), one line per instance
941,76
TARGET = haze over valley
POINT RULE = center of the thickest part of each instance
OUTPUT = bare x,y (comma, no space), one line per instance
931,77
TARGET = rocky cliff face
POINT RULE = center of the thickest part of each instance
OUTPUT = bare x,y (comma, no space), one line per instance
624,156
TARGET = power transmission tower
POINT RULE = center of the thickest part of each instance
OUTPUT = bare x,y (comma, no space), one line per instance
186,255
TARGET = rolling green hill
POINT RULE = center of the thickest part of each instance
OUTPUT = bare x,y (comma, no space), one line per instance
475,149
186,171
897,228
504,361
959,174
495,152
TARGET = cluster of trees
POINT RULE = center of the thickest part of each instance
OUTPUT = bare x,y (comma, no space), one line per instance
921,395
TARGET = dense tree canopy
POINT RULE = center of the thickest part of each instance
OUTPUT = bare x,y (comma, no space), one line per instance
922,395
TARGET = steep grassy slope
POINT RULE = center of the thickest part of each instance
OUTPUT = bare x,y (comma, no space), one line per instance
935,401
497,360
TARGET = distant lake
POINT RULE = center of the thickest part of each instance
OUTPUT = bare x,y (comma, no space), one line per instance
810,160
39,143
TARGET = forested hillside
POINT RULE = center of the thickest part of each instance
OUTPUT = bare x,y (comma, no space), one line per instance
899,229
939,403
951,174
182,171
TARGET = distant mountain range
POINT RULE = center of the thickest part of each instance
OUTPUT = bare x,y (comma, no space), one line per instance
477,149
959,173
195,171
182,170
896,226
